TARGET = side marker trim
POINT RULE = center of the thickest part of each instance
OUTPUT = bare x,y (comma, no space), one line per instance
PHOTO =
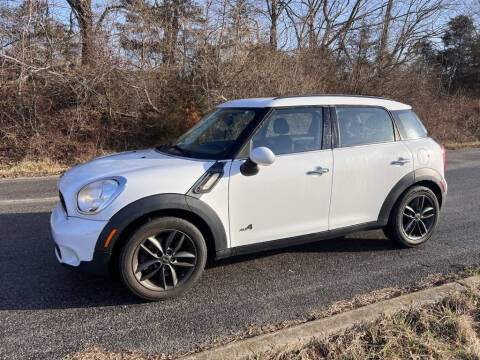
109,238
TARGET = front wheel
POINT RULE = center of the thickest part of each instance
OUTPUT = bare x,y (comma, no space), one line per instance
414,218
163,258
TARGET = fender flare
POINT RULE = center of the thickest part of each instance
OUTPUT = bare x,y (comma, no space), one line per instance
150,204
416,176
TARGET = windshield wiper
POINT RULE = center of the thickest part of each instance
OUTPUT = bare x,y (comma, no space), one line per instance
179,149
168,147
164,146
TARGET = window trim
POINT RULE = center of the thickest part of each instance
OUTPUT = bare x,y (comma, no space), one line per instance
244,151
336,127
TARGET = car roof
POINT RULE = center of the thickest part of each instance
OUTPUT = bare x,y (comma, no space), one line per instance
318,100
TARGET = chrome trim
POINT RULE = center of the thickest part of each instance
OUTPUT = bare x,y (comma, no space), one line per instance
121,185
319,171
400,161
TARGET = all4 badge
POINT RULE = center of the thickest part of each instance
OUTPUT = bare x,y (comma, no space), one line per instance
249,227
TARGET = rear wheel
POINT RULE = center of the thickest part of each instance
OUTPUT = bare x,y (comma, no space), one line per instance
414,218
163,258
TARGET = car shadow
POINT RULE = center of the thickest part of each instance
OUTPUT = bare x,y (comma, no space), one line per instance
32,279
365,241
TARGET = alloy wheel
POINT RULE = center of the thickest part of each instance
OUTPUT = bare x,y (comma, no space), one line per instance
164,261
418,217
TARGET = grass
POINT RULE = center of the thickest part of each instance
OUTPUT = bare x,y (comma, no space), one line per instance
462,145
446,330
31,168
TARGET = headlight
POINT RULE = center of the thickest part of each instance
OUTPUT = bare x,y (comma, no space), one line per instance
97,195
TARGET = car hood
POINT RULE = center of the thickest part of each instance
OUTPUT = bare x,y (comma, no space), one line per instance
148,172
121,163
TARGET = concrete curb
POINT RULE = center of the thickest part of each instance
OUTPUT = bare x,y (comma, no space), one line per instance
52,199
328,326
29,178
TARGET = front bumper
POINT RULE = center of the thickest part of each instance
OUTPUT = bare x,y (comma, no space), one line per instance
75,241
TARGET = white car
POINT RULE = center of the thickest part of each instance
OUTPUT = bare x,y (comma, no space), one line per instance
254,174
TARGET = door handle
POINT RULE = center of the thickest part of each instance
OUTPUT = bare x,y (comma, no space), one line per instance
400,161
319,171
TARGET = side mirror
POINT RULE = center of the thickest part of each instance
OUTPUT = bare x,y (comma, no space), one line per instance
258,156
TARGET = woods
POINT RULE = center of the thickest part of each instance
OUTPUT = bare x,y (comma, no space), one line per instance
79,78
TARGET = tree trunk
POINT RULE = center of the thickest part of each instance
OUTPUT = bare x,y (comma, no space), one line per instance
382,49
171,35
83,12
312,43
273,24
273,34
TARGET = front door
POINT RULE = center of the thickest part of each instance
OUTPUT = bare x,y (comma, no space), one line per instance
290,197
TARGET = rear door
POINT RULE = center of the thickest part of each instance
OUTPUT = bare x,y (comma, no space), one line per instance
292,196
369,161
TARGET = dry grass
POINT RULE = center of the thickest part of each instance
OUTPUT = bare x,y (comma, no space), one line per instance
97,353
447,330
31,168
462,145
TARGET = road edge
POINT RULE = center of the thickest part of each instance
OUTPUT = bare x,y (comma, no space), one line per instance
325,327
29,178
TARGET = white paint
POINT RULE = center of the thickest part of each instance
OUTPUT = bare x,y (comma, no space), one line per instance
148,172
426,154
295,195
363,177
282,200
217,199
75,237
262,156
317,101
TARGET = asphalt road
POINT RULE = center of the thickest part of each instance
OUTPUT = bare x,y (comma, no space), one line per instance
47,311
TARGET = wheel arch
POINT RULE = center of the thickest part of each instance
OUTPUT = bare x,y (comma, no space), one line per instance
424,177
434,181
126,220
434,187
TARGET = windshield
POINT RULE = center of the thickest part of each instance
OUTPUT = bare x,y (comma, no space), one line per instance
217,134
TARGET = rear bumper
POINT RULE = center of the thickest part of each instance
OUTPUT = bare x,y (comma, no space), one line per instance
75,241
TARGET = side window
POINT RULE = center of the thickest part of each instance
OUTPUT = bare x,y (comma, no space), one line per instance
289,131
364,125
409,124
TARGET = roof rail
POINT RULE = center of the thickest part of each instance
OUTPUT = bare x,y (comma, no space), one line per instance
345,95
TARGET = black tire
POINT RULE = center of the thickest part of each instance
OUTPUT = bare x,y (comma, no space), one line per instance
171,275
412,222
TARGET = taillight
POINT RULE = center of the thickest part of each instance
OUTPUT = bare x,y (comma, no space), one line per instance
444,155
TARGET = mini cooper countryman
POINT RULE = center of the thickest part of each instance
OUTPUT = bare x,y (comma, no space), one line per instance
254,174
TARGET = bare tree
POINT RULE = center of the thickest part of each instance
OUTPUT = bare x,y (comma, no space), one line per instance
384,37
82,9
84,15
275,8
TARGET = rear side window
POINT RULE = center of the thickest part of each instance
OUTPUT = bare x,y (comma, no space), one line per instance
409,125
364,125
